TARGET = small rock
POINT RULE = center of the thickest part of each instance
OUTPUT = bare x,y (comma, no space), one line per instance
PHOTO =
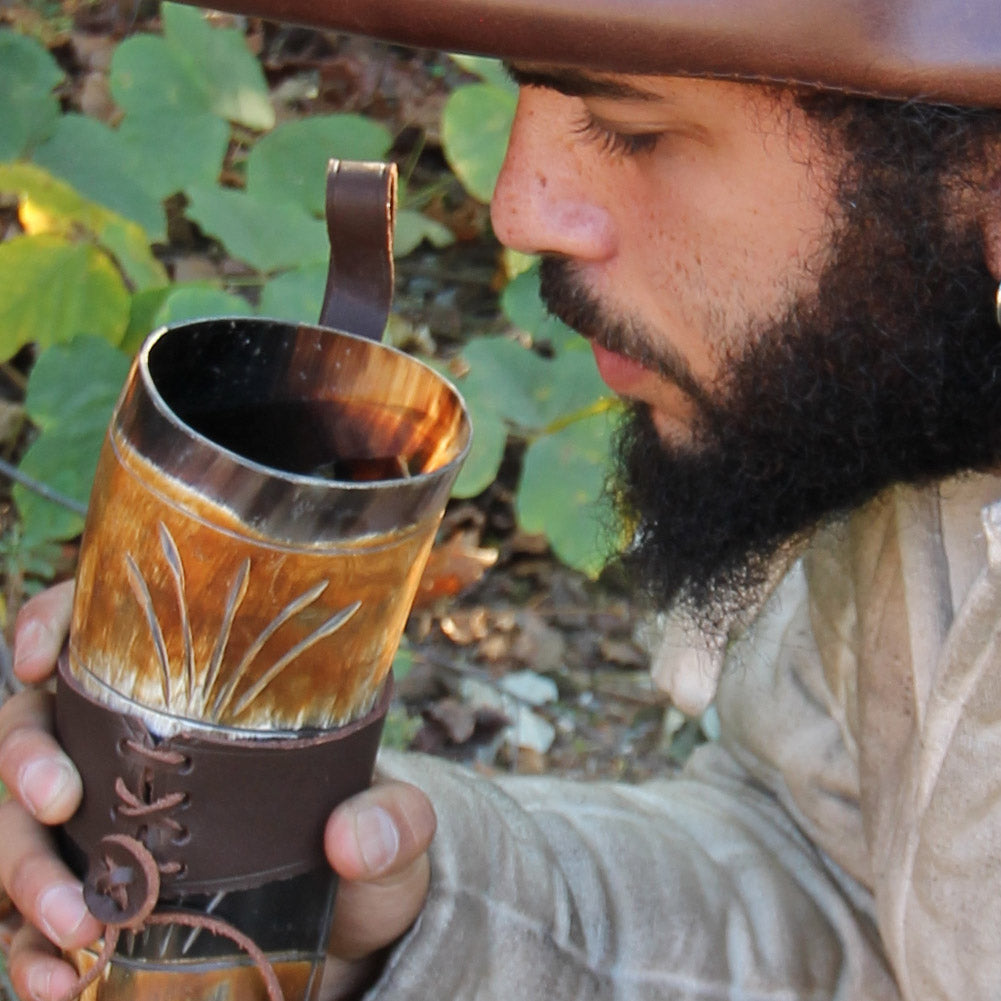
527,728
530,687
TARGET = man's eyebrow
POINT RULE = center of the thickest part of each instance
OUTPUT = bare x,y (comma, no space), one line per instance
577,83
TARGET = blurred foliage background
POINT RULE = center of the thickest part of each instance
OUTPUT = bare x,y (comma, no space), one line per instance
163,164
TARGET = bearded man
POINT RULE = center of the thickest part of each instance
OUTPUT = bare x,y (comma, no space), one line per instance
796,288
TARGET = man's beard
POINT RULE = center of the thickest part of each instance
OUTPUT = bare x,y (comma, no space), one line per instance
889,373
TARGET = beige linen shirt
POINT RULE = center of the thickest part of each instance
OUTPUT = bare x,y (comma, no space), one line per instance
841,842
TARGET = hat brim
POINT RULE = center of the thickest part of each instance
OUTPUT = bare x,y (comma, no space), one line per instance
934,50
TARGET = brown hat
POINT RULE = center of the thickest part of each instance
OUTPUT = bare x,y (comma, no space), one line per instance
937,50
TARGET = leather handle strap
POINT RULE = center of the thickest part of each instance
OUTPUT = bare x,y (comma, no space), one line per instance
361,213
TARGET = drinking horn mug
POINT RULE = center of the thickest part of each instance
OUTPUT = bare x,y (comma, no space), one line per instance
264,504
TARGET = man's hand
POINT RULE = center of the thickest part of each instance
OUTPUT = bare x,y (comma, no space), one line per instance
377,841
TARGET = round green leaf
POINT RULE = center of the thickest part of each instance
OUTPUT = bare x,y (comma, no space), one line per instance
56,290
73,415
508,380
171,149
149,76
269,236
296,296
475,125
485,453
413,228
193,68
561,493
29,110
143,310
53,206
58,398
523,306
196,302
93,158
572,385
531,393
218,58
290,163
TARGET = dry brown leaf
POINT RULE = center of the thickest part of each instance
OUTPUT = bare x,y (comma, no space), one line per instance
530,762
468,626
453,567
623,653
454,717
494,648
538,645
529,543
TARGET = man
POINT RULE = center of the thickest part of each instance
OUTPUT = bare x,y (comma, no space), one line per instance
798,290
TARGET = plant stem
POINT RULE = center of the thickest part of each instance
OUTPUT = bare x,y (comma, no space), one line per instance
36,486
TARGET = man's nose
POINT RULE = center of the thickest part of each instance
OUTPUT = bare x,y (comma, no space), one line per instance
549,197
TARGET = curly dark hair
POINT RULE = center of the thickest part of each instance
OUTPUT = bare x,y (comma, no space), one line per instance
936,143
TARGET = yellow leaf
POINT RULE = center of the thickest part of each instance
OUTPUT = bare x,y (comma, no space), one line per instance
34,219
49,205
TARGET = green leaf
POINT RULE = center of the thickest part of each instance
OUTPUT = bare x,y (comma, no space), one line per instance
290,163
157,307
56,394
129,245
49,205
413,228
171,149
92,158
142,317
149,76
475,125
522,305
399,729
269,236
509,380
296,296
198,301
572,385
561,493
73,414
28,108
485,453
56,290
225,67
488,70
192,69
403,659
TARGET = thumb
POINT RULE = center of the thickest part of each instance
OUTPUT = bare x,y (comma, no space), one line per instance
377,843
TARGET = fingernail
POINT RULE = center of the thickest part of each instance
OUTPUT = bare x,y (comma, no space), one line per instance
43,781
378,838
39,984
62,911
29,638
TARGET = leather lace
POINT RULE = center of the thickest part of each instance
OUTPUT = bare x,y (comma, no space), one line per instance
114,880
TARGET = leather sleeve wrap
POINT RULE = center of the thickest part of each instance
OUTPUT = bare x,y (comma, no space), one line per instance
233,813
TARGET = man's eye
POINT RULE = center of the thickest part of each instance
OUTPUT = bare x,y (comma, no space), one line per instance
612,141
